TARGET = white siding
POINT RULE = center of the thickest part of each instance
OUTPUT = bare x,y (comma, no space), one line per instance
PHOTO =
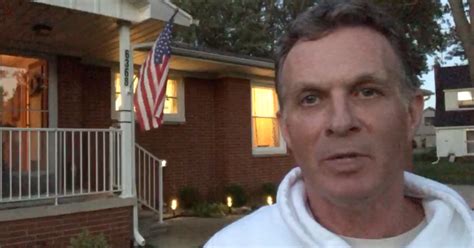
451,140
451,100
129,10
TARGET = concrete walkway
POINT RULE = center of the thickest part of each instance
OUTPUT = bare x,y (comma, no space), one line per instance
189,232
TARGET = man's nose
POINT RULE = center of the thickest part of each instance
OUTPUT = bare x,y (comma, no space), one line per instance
342,119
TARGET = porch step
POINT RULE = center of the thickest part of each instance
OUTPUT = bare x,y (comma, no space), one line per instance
149,224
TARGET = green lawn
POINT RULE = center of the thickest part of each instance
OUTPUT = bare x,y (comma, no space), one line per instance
459,172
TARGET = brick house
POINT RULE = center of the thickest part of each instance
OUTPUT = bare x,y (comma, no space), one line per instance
67,142
454,121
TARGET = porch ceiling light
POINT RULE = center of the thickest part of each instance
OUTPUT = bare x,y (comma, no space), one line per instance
42,29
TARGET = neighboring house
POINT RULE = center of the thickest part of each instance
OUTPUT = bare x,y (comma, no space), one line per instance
425,134
454,121
66,147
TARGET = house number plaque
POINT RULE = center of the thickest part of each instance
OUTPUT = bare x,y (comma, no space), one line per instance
126,70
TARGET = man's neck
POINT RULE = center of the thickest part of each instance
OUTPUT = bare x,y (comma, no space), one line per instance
373,219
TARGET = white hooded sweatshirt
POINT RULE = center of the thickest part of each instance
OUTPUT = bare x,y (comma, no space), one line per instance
289,222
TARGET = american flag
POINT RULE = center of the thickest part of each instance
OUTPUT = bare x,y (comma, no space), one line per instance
150,97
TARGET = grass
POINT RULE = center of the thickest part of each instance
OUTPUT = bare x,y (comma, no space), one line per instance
459,172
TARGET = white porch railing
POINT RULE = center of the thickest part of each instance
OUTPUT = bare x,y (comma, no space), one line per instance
149,180
45,163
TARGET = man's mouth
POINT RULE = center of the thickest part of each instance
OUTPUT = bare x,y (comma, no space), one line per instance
345,155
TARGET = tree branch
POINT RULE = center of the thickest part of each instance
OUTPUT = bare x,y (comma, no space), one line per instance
462,25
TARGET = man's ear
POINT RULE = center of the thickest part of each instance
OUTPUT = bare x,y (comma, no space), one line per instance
284,128
415,112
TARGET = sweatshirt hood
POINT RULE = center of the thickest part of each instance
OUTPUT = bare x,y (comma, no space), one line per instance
446,213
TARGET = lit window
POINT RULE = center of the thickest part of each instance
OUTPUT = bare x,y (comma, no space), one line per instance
171,102
23,92
266,137
470,141
174,102
465,99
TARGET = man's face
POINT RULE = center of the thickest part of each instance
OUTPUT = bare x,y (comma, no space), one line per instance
344,119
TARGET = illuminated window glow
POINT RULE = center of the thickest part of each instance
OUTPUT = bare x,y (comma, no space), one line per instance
264,122
465,99
172,94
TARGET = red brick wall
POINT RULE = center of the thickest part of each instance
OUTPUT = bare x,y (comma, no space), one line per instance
57,231
189,148
84,93
69,92
213,148
210,150
233,108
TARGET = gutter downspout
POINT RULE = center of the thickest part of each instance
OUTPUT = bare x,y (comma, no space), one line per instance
136,233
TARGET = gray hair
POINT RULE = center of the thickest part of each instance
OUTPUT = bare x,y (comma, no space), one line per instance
329,15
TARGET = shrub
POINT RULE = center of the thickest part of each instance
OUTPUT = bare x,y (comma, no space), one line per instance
237,193
189,197
86,240
269,189
205,209
428,156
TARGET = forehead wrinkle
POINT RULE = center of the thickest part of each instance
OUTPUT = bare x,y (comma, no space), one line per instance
368,77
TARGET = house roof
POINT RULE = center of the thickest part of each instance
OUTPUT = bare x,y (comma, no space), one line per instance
453,77
212,62
429,109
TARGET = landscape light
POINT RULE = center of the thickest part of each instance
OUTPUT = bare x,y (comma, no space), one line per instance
229,203
269,200
174,206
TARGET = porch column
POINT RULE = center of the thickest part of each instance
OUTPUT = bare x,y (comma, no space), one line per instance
127,124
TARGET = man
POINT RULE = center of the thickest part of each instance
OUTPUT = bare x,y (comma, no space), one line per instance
349,110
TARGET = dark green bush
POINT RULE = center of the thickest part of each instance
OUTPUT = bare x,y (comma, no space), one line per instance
269,189
205,209
87,240
237,193
427,156
189,197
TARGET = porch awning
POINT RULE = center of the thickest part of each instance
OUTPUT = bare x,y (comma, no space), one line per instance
86,29
135,11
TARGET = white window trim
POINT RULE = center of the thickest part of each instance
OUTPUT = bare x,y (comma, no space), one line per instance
457,108
265,151
467,142
180,117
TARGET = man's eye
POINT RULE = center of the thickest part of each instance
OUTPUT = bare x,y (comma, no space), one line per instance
310,100
367,92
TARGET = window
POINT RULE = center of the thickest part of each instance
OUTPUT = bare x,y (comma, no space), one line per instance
470,141
174,102
465,99
23,92
429,121
266,136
